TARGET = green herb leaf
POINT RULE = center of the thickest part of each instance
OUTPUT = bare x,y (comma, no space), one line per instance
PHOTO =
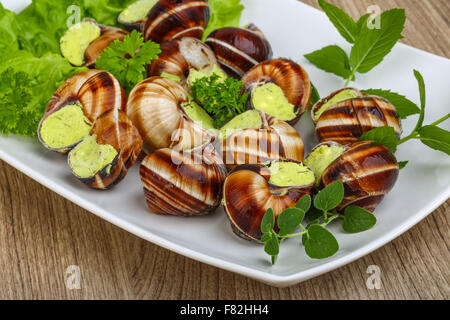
402,164
289,220
268,221
342,21
357,219
313,214
373,45
266,236
315,97
330,197
384,135
304,203
320,243
421,84
272,246
223,13
362,22
404,106
435,138
331,59
127,59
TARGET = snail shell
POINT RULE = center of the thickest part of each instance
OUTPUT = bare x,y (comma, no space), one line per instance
171,19
183,183
248,195
114,128
344,122
95,90
275,139
154,106
238,50
179,56
286,74
368,170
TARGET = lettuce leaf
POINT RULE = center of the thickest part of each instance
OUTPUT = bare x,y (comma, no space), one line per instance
9,30
223,13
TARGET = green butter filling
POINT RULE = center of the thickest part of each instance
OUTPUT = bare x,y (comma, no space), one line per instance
195,75
89,157
341,96
322,157
65,127
75,41
198,114
270,98
136,11
246,120
290,174
171,76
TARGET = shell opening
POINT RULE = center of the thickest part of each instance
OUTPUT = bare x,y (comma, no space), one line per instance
89,157
75,41
321,158
339,97
271,99
136,11
247,120
65,127
290,174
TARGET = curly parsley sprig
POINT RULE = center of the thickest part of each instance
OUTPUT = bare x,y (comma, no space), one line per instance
127,59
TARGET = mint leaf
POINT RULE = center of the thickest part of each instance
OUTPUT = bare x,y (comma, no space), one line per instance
404,106
373,45
332,59
289,220
435,138
304,203
421,84
402,164
320,243
357,219
342,21
384,135
268,221
362,22
330,197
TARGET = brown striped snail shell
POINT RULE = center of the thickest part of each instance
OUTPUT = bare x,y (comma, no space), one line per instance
96,47
344,122
248,194
183,183
286,74
238,50
171,19
95,91
113,128
154,107
275,139
179,56
368,170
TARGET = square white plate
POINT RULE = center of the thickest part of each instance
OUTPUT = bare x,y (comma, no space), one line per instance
293,29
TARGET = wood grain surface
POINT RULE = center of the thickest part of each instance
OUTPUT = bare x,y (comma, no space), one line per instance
42,234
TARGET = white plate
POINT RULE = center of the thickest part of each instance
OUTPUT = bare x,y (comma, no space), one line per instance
293,29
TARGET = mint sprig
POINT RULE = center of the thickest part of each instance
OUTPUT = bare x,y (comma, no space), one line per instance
370,46
319,243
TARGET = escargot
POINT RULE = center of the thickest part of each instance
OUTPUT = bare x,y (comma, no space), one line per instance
183,182
250,190
83,42
75,106
368,171
103,157
238,50
279,87
185,59
134,16
256,137
171,19
346,114
165,117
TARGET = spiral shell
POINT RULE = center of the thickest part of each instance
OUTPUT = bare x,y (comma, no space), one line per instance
289,76
95,90
368,170
183,183
179,56
238,50
154,106
248,195
274,140
171,19
114,128
345,121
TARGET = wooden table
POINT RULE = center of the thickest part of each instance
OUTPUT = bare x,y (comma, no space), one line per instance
42,234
